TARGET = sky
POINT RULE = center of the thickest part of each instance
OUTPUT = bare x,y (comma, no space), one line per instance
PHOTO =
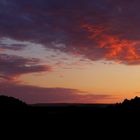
67,51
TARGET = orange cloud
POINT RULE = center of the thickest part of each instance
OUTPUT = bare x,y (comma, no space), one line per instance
116,48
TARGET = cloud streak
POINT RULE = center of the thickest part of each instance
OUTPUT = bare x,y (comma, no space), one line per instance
33,94
11,67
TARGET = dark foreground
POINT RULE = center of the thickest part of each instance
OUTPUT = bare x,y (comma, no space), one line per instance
14,107
70,118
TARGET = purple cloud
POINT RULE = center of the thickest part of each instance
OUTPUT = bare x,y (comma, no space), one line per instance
12,67
33,94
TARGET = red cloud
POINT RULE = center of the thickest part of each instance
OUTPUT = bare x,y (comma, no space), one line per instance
115,47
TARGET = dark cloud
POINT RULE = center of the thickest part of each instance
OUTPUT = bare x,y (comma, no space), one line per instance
33,94
12,67
96,29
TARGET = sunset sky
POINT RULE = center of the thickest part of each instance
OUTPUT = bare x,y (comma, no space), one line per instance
70,51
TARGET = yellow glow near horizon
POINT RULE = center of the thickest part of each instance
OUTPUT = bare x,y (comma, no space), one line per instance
97,79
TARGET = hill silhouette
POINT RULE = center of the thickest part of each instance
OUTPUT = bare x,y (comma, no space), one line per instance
11,104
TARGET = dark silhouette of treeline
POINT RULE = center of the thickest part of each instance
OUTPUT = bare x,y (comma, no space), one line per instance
10,104
132,105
